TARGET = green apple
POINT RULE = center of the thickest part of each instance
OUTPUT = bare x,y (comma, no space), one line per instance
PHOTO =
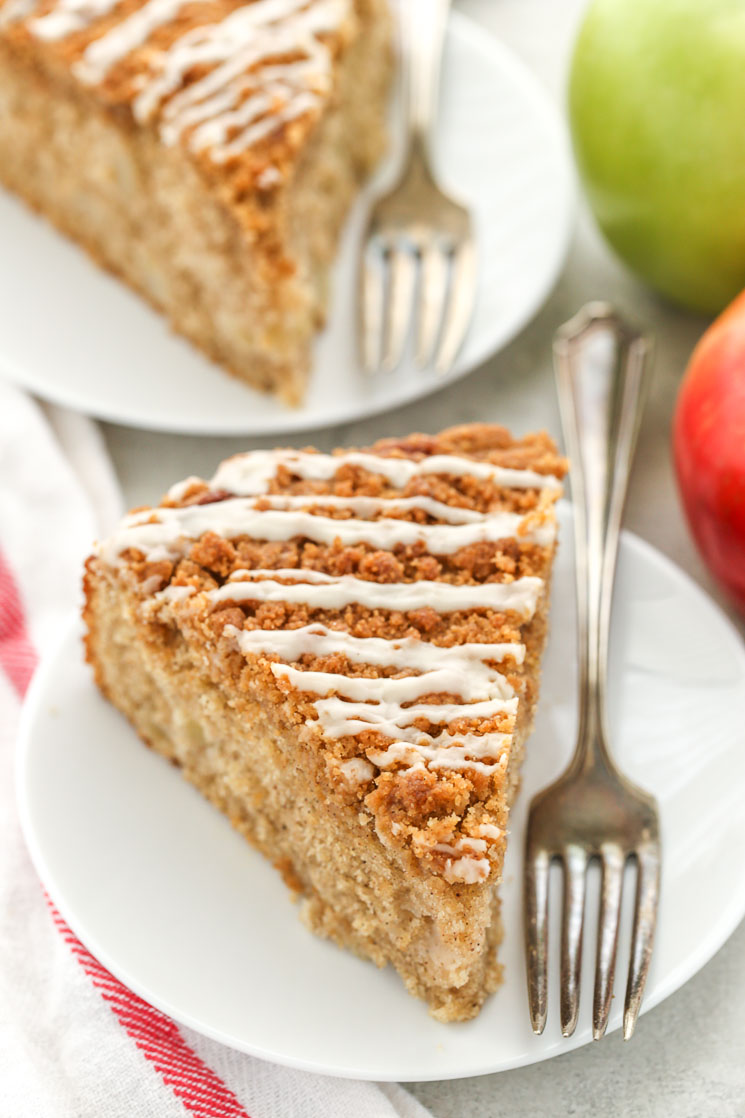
657,112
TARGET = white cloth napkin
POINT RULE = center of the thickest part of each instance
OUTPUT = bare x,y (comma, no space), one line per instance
74,1042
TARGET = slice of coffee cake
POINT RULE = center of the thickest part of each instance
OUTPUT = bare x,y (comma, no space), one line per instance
206,151
342,652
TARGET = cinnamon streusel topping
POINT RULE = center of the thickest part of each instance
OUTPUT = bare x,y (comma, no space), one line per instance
388,595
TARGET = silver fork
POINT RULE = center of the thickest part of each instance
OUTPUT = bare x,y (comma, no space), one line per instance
419,244
592,811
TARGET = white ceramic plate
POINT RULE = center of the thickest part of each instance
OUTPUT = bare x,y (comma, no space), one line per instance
174,902
74,335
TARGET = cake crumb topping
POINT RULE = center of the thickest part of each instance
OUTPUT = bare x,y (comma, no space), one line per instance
388,596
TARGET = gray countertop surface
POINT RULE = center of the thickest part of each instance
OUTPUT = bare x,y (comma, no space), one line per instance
687,1059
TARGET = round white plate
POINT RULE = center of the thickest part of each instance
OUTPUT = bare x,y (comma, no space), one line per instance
77,336
176,904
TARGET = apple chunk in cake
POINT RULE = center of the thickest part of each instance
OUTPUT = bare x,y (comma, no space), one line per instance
342,652
206,151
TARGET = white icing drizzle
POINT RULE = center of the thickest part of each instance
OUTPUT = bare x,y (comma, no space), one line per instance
381,690
470,871
369,506
462,865
461,669
466,843
250,35
268,178
407,652
173,593
340,718
178,491
166,532
219,116
444,751
460,752
357,771
212,115
246,94
14,11
248,475
126,36
322,591
150,586
301,104
248,38
69,16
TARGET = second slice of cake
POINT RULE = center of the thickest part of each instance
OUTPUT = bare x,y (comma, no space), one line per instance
342,652
205,151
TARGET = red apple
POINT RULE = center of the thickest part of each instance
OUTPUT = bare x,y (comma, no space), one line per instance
709,447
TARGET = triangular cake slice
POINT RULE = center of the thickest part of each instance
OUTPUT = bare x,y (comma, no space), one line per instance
342,652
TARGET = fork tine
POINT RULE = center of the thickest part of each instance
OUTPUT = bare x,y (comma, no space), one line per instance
370,302
433,289
645,921
402,270
575,865
537,866
460,302
612,860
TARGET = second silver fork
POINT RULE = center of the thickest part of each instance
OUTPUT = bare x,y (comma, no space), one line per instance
418,249
592,811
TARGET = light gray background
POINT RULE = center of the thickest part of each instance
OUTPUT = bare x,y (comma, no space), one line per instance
687,1059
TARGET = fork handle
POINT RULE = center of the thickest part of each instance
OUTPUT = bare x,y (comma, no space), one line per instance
602,372
423,25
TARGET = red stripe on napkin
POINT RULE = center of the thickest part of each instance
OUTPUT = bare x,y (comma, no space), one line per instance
17,655
200,1090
